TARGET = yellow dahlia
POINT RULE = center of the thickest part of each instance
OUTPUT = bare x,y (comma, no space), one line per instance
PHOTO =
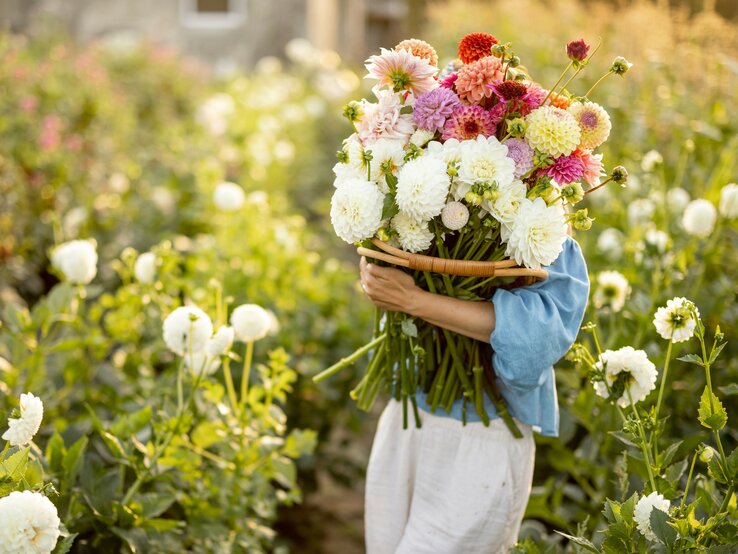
594,122
419,48
552,131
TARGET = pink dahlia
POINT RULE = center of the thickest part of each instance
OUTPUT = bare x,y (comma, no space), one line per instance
566,169
402,70
468,122
498,112
593,169
522,154
449,80
384,120
471,84
433,108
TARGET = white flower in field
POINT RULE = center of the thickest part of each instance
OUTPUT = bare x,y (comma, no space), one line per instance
118,182
414,235
214,113
220,342
612,290
505,201
30,523
610,243
76,260
729,201
274,323
422,188
187,329
658,239
537,234
677,320
164,199
640,211
421,137
485,160
22,430
643,509
201,363
650,160
455,215
300,50
250,322
629,364
145,267
228,196
73,220
677,199
356,210
386,150
699,218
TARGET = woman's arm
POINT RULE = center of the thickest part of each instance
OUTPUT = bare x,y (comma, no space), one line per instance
395,290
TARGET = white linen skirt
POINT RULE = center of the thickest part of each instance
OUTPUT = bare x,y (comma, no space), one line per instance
445,488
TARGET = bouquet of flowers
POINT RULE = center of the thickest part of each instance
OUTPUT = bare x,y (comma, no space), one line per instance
453,171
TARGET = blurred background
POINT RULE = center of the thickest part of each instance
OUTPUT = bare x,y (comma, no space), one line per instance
118,120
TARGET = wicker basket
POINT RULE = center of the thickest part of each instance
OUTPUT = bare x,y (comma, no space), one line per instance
465,268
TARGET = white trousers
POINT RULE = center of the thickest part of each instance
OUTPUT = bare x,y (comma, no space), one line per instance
445,488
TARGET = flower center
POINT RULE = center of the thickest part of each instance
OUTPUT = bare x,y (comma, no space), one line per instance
589,120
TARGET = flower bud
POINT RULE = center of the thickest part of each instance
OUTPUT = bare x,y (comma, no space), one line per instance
707,454
572,193
581,221
473,198
498,50
517,127
577,50
383,234
514,61
342,156
353,111
542,160
619,175
620,66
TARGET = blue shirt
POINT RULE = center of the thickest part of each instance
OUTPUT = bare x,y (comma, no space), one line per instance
535,327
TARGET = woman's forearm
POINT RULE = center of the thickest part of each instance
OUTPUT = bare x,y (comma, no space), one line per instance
475,319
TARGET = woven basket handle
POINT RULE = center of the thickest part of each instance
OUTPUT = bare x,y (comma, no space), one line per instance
464,268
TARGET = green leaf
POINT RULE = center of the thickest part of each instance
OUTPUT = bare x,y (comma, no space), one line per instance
625,438
285,471
14,466
692,359
132,423
661,528
207,434
729,390
300,442
716,352
716,470
55,451
136,539
72,459
712,413
153,504
59,298
389,209
65,545
581,541
670,452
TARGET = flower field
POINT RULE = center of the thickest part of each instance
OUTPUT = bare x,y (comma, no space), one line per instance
170,284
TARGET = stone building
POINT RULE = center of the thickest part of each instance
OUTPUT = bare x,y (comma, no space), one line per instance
224,32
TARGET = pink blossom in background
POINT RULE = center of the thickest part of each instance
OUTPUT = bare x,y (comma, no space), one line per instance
50,133
28,104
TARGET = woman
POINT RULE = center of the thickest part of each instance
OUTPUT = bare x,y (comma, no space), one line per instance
448,488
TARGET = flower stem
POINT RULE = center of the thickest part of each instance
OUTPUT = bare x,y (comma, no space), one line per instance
689,479
644,449
246,370
605,76
550,92
661,394
344,362
229,384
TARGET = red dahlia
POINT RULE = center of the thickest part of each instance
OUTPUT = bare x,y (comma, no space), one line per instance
476,46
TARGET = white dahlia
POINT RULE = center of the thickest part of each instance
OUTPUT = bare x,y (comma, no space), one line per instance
639,374
610,243
640,211
356,210
612,290
30,523
454,215
658,239
505,201
699,218
594,123
145,267
250,322
729,201
485,160
643,509
354,167
421,137
21,430
228,196
676,321
449,151
553,131
187,329
386,150
537,234
220,342
422,188
413,235
76,260
677,199
650,160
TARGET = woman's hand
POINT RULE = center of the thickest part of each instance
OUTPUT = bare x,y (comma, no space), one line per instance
389,288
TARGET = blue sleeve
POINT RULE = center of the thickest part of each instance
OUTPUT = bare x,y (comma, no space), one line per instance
537,324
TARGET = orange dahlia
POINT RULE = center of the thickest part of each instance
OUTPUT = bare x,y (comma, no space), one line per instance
476,46
419,48
471,83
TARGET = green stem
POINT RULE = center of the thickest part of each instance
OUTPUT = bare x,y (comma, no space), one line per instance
344,362
728,496
605,76
233,399
246,371
550,92
646,457
661,394
689,479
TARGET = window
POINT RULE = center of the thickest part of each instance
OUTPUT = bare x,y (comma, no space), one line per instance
213,14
